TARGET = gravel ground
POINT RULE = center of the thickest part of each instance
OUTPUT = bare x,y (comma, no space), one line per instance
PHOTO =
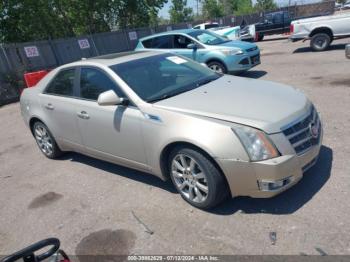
95,207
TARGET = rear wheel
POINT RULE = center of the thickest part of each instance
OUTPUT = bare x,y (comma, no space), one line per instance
320,42
260,37
196,178
217,67
45,140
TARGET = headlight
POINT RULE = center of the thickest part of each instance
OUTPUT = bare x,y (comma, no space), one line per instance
232,52
258,145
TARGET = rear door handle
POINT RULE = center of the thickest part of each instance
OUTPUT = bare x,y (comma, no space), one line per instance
49,106
83,115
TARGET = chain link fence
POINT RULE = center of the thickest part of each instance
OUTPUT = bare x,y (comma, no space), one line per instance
19,58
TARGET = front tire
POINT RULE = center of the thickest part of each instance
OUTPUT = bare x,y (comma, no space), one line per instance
45,141
217,67
196,178
320,42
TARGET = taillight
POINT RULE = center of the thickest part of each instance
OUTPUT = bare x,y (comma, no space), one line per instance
292,28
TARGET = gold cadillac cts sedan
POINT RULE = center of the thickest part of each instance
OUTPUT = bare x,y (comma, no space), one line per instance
213,135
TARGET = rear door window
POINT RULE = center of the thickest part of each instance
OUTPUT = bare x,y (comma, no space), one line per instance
62,84
278,18
147,43
162,42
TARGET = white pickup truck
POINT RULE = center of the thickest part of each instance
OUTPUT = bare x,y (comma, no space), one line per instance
231,32
321,30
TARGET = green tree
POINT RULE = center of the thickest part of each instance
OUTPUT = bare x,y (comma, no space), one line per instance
212,9
265,5
131,13
237,7
26,20
179,12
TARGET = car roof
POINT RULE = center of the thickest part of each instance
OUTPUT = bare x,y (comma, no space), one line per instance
180,31
208,23
115,58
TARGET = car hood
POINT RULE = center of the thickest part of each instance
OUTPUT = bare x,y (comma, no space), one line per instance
238,44
261,104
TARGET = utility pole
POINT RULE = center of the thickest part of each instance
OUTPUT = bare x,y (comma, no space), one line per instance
198,7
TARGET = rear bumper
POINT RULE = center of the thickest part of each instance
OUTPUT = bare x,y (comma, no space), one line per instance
298,37
246,178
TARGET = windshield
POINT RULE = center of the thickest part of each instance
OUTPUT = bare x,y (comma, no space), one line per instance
162,76
208,38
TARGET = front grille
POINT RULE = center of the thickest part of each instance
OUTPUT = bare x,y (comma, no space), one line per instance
305,133
244,61
255,59
252,49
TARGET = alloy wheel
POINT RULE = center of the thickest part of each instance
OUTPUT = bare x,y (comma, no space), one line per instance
320,42
216,68
189,178
43,139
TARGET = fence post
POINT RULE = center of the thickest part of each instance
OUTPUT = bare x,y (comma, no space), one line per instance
93,43
127,39
6,58
54,52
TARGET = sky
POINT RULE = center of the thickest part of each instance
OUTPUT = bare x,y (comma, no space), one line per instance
164,12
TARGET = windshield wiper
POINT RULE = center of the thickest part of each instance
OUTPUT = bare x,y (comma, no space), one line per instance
196,85
205,81
168,95
158,99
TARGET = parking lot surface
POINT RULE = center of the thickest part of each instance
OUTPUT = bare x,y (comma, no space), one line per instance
95,207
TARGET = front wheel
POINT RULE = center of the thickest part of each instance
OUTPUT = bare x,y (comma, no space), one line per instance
217,67
196,178
320,42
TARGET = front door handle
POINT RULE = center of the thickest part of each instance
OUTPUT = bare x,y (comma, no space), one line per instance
83,115
49,106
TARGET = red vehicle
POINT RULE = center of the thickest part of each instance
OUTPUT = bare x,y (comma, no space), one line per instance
33,78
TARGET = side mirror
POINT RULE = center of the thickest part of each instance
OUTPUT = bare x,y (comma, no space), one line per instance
192,46
347,51
110,98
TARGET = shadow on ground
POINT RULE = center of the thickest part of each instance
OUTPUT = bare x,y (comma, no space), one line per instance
253,74
289,201
331,48
274,39
285,203
142,177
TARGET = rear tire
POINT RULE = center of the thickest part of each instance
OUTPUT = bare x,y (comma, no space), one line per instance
196,178
320,42
45,141
260,37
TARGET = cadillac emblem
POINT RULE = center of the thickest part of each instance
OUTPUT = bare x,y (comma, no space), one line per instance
313,128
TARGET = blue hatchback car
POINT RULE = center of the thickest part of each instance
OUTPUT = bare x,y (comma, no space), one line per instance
220,54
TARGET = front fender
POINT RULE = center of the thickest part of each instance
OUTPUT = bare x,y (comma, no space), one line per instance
215,55
212,136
